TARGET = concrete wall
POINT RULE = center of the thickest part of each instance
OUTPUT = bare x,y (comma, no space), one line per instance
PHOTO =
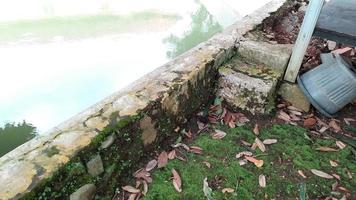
98,142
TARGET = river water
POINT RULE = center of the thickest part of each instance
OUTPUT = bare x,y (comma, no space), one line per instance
58,57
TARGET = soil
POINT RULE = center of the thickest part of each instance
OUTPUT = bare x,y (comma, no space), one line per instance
283,28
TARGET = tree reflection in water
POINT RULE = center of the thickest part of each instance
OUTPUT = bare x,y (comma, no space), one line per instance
203,27
13,135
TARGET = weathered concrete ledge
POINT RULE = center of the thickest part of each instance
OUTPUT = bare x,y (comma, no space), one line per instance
93,144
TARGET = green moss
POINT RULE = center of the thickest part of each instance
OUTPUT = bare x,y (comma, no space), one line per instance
52,151
282,160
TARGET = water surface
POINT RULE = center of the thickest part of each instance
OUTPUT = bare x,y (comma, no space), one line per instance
58,57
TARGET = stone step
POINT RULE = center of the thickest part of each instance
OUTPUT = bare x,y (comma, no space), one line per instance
275,56
248,86
249,80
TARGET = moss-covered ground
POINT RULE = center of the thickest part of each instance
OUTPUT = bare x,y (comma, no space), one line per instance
294,151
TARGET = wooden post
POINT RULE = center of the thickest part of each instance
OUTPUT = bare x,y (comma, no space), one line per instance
304,36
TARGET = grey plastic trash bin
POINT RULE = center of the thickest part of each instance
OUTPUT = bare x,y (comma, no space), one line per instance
330,86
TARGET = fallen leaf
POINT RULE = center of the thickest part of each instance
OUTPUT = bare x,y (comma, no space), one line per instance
334,126
269,141
131,189
172,154
262,180
295,112
162,159
301,173
340,144
258,163
260,144
294,108
254,146
309,122
349,120
348,173
207,190
333,163
284,116
326,149
243,153
245,143
143,174
334,186
321,174
151,165
242,162
256,130
196,150
218,134
336,176
227,190
145,188
323,129
177,182
207,164
343,189
184,146
188,134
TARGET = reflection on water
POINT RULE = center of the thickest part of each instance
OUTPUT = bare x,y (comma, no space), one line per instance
203,27
60,56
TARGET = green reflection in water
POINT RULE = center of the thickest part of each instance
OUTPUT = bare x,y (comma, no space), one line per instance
83,26
13,135
203,27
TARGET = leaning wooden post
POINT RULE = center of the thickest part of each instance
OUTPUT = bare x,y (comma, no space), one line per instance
304,36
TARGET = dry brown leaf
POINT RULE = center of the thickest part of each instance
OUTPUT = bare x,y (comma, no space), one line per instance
333,124
188,134
254,146
145,187
227,190
143,174
172,154
258,163
243,153
269,141
162,159
294,108
151,165
326,149
245,143
242,162
301,173
184,146
207,164
343,189
309,122
336,176
321,174
262,180
349,120
177,182
334,186
256,130
129,188
218,134
333,163
260,144
284,116
295,112
196,150
340,144
323,129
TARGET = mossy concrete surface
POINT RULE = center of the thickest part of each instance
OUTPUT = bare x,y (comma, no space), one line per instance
247,85
294,151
